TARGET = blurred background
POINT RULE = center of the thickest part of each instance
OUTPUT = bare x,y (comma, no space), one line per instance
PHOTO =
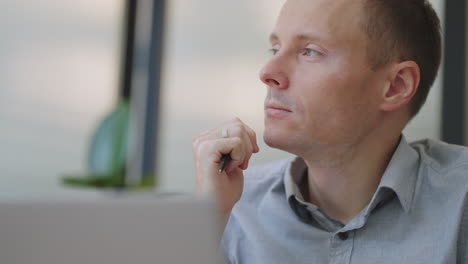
62,72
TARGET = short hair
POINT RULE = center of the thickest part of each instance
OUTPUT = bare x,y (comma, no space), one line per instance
401,30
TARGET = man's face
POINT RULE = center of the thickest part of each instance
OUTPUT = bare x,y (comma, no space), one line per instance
321,89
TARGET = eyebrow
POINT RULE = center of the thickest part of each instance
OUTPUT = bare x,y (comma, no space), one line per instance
273,37
303,36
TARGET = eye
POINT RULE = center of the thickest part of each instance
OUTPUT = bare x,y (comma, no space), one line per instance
273,51
310,52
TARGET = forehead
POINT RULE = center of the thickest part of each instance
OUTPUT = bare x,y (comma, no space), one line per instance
333,20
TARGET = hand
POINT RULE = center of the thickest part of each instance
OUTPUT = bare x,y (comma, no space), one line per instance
208,148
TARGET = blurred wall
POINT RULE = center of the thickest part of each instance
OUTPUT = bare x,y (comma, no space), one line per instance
427,123
59,75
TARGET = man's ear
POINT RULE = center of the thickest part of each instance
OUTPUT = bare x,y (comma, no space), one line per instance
403,84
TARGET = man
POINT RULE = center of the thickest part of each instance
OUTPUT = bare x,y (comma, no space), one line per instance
344,80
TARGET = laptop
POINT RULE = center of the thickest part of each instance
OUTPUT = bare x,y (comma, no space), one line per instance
109,230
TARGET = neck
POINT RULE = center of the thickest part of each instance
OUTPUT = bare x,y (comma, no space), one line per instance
343,181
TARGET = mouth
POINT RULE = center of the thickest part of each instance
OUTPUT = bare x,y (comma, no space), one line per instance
276,107
276,111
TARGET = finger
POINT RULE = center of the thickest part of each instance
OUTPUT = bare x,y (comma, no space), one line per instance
235,127
216,132
246,149
205,136
250,132
233,147
245,164
239,128
253,138
250,142
208,156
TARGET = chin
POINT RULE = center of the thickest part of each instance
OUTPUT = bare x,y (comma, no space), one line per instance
290,140
282,133
278,140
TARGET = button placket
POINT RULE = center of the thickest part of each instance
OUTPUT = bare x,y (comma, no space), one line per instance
341,247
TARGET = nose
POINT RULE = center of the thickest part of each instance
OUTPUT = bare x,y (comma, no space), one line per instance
273,74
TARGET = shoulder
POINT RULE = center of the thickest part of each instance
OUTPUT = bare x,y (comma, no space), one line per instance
442,157
443,177
443,172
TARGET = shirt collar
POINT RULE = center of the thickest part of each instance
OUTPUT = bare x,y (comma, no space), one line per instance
293,176
399,176
401,173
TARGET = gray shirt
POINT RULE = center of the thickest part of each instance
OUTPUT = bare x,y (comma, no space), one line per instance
419,214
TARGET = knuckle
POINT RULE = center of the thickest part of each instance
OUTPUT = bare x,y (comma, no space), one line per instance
242,128
230,121
195,142
235,121
236,130
237,140
247,157
250,132
250,149
253,133
203,147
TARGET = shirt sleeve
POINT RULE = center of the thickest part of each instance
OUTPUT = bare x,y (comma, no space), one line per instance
224,253
224,246
463,249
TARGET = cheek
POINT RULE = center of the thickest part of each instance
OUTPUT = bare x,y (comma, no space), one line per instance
328,86
318,96
330,102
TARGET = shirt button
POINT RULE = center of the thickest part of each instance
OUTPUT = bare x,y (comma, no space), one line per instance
343,236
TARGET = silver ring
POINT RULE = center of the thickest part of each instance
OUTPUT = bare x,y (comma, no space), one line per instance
224,133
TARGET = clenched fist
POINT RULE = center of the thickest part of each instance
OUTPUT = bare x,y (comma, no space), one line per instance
232,138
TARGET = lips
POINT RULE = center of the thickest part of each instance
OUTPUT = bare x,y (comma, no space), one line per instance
276,107
276,111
